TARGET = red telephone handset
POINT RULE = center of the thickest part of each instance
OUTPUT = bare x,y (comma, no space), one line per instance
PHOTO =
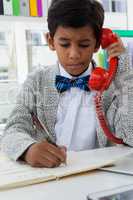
100,80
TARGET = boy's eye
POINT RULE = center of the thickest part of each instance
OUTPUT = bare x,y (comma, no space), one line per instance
84,45
80,45
65,45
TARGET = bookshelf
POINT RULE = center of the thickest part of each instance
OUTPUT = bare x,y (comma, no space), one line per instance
118,14
35,8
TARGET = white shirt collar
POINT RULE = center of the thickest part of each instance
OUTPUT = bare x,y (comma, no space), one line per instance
64,73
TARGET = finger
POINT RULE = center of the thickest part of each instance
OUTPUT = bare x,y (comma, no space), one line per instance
51,158
64,151
56,151
44,162
64,148
113,45
116,51
115,54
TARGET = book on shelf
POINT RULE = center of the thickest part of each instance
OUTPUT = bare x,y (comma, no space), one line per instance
24,8
16,7
1,7
33,8
119,6
17,174
8,7
114,6
45,7
49,2
39,8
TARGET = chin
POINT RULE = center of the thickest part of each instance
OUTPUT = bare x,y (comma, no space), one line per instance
75,73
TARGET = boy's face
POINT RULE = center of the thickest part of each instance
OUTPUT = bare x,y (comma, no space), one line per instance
74,48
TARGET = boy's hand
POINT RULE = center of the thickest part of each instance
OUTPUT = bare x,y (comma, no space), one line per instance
44,154
116,49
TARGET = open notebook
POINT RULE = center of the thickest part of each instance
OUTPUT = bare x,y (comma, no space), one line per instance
18,174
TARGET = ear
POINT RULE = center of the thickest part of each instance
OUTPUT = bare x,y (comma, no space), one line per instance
50,41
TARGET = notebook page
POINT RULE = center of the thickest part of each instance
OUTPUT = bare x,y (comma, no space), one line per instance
16,174
83,161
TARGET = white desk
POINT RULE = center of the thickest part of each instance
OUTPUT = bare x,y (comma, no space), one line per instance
71,188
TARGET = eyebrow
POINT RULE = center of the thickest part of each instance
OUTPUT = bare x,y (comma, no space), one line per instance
65,39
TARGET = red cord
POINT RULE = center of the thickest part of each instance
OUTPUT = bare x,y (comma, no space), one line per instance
103,123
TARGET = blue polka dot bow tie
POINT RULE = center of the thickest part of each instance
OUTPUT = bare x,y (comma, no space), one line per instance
62,83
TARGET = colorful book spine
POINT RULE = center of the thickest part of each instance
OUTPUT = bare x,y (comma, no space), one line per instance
1,7
8,9
49,2
39,8
100,57
45,7
16,7
24,8
33,8
105,59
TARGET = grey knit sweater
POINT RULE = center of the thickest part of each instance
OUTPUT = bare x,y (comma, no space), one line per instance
39,94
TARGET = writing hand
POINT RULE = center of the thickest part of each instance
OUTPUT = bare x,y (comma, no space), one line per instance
44,154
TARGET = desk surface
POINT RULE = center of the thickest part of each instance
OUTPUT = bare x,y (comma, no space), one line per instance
70,188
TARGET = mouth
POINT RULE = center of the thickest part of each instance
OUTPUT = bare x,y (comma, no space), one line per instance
78,65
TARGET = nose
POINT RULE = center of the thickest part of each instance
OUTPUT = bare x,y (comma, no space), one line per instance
74,53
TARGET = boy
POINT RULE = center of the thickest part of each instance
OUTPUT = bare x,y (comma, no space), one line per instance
69,115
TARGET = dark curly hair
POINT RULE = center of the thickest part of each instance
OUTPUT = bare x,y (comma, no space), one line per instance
76,14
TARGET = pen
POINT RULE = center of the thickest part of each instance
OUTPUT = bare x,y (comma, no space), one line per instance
41,126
